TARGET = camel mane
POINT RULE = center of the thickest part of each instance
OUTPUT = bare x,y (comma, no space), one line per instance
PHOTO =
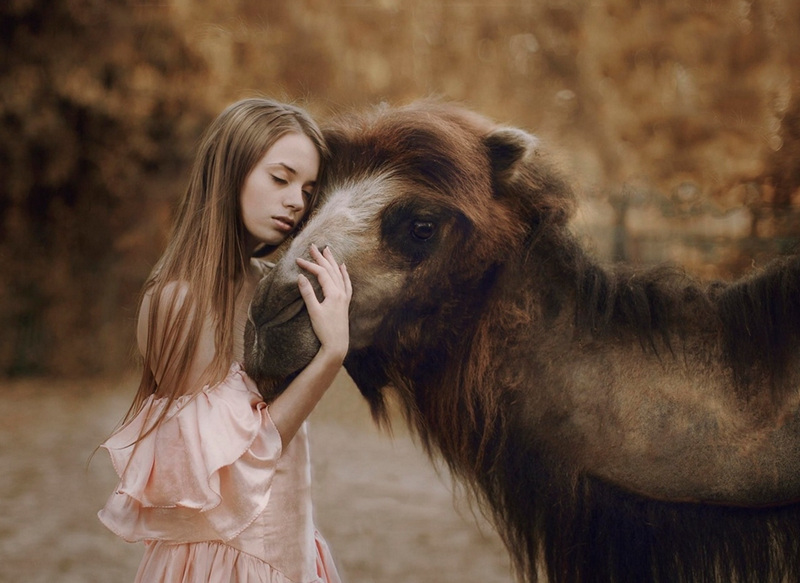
758,316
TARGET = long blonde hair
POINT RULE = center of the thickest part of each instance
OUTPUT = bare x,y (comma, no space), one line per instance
206,253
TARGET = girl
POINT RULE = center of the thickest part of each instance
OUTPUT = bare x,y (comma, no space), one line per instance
214,481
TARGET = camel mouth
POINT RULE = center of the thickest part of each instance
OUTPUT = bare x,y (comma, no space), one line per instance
279,338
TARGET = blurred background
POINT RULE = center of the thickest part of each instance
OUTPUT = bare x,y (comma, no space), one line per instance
679,122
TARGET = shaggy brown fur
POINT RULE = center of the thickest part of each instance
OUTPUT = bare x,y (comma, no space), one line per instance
620,425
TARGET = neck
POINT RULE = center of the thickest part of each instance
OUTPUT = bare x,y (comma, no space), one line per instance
619,375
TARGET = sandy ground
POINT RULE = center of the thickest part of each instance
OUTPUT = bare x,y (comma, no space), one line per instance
386,512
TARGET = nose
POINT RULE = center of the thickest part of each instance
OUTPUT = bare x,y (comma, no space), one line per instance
295,199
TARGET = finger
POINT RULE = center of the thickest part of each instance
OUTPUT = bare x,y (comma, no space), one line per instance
331,264
323,257
307,292
320,272
324,260
348,286
335,291
325,269
316,253
328,253
309,265
312,267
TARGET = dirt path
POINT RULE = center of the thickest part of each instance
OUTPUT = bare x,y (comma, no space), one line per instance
386,513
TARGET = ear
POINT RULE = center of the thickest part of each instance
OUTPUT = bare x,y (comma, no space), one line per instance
523,177
508,146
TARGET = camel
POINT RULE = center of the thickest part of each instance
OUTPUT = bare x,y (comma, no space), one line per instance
618,424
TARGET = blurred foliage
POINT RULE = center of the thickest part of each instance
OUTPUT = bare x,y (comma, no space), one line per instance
672,116
99,108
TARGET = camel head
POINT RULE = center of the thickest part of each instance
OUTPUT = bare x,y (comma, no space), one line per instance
424,204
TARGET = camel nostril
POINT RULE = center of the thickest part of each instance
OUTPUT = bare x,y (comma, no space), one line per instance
287,312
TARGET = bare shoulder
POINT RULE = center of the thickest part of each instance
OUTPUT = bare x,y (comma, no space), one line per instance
166,328
172,296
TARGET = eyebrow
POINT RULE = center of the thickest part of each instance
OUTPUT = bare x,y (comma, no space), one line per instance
290,169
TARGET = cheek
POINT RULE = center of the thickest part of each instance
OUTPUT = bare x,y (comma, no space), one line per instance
256,197
247,199
246,212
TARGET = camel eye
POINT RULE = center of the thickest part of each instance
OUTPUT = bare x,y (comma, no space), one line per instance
414,232
423,230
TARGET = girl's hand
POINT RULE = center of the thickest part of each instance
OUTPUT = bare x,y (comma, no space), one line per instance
330,320
330,317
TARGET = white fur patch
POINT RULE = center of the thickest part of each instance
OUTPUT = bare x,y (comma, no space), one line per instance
348,221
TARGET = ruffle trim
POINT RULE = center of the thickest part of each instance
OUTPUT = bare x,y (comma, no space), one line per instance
212,562
203,474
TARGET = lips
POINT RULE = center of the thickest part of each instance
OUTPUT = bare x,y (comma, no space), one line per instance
284,223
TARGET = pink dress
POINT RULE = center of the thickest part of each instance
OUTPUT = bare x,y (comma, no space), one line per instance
212,494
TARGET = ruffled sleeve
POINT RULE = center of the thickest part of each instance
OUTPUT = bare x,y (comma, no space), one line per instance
203,474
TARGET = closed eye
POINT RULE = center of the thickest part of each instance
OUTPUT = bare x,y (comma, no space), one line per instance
279,180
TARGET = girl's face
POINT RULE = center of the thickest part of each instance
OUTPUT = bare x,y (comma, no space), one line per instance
275,194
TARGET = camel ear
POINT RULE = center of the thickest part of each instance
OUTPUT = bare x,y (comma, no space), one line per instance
523,177
507,147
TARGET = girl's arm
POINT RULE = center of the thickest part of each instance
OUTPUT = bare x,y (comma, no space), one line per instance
172,298
330,320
